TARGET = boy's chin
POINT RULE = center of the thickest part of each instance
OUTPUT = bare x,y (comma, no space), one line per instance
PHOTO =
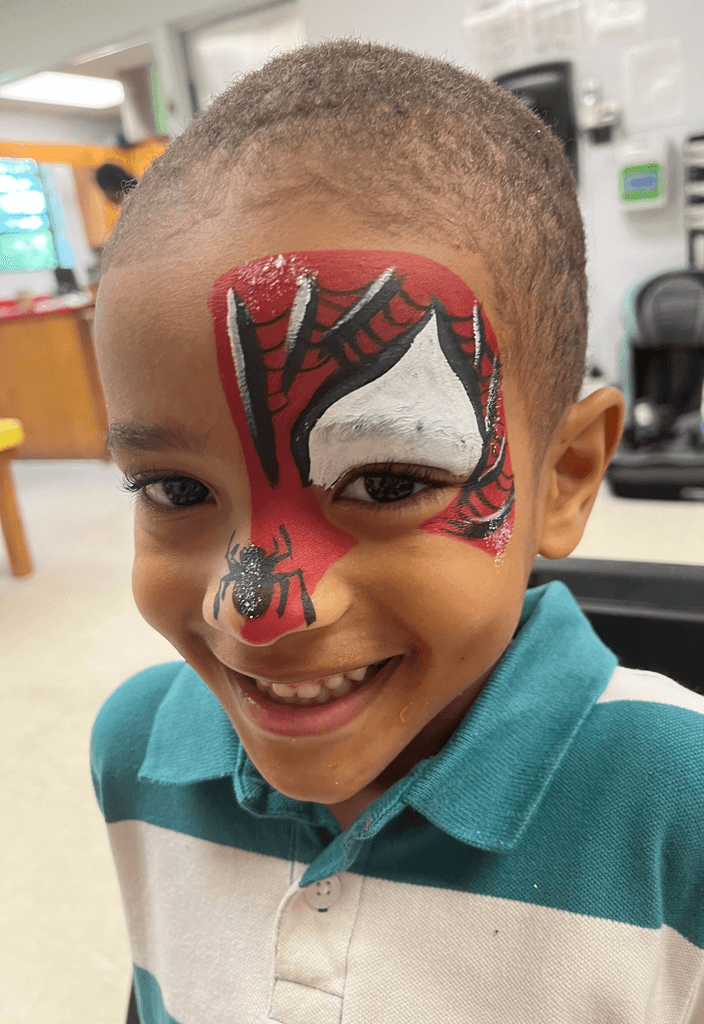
331,790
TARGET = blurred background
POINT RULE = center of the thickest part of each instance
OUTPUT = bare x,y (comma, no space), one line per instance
90,94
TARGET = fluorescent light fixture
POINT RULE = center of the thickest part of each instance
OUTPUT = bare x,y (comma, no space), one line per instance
66,90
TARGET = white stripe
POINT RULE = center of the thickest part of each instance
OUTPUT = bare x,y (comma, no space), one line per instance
238,358
200,919
231,939
371,291
636,684
298,309
513,963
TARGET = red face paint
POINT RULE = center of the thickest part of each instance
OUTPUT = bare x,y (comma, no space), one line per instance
298,336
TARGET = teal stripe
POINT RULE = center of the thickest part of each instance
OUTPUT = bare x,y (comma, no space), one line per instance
149,1001
206,810
619,834
605,841
121,734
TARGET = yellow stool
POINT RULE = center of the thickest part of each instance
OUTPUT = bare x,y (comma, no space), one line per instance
11,434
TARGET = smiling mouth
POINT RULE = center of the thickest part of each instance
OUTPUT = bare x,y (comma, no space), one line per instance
324,690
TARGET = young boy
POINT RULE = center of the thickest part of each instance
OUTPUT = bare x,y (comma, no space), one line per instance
341,332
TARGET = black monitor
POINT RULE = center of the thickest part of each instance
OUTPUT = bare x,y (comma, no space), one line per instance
547,90
65,281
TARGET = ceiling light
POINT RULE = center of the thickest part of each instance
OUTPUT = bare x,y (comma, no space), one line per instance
66,90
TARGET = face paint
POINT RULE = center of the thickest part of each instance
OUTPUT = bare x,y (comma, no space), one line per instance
338,360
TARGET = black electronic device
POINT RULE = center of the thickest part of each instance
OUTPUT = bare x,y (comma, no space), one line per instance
547,90
65,281
662,451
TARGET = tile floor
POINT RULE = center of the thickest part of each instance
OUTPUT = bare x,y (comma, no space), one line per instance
68,636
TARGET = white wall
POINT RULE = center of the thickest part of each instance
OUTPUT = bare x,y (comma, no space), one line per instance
40,34
623,248
66,128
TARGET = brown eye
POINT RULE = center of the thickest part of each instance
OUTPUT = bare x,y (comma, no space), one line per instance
382,487
177,492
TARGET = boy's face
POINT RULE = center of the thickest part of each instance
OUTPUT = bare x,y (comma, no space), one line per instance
339,490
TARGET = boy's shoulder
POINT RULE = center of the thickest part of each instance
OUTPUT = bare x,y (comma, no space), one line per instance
670,711
123,726
653,728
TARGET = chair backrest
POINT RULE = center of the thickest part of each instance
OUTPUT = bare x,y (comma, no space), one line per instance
651,614
669,310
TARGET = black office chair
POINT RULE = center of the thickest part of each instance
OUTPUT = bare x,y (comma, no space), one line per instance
132,1015
662,452
651,614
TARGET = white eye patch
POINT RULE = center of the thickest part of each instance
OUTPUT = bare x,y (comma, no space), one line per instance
418,412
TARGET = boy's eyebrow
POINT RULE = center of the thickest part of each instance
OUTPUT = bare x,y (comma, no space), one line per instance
138,437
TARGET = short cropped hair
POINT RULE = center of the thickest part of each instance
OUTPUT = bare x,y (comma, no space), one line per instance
408,140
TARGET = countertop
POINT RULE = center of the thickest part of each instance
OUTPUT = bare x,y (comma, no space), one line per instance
632,529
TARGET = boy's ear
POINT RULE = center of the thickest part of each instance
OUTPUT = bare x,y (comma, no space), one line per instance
575,462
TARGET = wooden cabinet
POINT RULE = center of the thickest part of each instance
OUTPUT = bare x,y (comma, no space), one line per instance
99,215
49,380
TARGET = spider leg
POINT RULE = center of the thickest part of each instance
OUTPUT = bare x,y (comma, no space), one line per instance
231,552
287,539
284,585
223,583
306,603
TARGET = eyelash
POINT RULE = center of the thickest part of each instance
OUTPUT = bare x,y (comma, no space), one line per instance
137,484
418,476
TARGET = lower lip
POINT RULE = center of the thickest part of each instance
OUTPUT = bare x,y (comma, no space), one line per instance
312,719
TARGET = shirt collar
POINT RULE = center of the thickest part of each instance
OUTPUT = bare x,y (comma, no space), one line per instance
487,781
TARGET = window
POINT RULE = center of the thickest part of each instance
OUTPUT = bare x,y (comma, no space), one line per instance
26,238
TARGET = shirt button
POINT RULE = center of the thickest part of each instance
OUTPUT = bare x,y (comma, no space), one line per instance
324,894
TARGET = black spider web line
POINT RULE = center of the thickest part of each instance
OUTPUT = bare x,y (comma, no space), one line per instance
269,323
334,305
357,292
416,305
403,324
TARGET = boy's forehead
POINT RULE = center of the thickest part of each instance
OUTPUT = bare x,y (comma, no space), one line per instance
146,303
152,318
180,270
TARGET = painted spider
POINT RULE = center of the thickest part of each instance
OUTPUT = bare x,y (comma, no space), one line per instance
254,577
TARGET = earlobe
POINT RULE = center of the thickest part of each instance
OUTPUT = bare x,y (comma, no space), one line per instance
582,448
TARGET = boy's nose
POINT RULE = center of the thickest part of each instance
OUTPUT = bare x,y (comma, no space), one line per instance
330,601
261,604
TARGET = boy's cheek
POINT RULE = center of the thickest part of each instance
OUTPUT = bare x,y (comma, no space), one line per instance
166,590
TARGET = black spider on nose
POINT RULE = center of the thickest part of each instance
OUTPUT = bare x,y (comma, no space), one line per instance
254,577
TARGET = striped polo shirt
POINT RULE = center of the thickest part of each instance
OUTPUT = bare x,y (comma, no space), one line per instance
546,867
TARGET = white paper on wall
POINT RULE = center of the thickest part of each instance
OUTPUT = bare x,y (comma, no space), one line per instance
555,27
496,35
616,21
506,34
654,87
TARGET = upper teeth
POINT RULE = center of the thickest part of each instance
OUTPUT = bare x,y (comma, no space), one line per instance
311,689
